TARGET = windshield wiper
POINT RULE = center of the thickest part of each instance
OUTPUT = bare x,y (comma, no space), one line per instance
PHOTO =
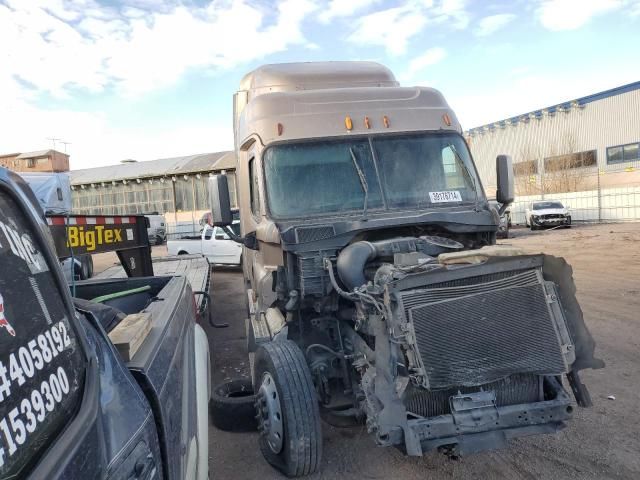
363,182
467,172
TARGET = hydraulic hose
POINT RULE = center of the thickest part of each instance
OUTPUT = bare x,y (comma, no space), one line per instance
209,306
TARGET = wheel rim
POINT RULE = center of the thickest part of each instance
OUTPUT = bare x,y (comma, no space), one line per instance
270,413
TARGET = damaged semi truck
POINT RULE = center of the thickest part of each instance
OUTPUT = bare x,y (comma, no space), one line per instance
375,290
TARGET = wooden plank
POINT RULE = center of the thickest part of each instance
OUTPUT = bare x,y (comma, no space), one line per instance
130,333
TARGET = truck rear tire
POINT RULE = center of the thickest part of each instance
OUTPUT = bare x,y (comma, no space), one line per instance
288,413
232,406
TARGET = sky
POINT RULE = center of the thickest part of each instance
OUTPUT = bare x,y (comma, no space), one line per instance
146,79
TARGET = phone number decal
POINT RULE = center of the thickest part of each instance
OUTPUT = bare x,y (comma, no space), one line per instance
31,410
27,360
23,420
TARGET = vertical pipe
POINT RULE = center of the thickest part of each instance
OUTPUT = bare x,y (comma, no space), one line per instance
599,198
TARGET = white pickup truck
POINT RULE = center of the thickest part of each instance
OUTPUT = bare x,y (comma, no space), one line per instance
213,243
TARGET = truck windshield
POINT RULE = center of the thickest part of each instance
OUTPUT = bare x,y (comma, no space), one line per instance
389,172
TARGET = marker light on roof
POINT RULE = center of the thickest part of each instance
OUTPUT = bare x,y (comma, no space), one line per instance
385,121
367,123
446,119
348,123
280,129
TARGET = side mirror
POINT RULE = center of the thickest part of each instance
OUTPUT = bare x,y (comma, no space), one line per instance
504,177
250,241
219,200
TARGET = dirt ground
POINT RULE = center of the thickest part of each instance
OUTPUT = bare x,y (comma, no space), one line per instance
601,442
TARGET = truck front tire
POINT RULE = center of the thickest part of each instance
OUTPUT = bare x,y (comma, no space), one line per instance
288,413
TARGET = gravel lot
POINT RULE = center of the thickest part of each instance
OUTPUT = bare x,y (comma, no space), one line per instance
601,442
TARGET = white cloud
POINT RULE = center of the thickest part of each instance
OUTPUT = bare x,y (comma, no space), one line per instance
96,141
91,46
572,14
453,12
342,8
393,28
430,57
515,96
493,23
66,49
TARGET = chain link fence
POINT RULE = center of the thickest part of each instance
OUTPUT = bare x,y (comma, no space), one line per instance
592,195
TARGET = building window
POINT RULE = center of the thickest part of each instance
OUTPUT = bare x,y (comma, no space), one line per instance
524,169
31,163
572,160
623,153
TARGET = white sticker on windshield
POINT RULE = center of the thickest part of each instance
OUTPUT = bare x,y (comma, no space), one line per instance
448,196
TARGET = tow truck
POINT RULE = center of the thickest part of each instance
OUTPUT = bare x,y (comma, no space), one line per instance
110,382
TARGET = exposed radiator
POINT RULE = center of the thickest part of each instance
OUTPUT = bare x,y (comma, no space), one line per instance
486,330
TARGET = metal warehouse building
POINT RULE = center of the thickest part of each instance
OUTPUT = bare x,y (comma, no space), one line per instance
584,152
175,187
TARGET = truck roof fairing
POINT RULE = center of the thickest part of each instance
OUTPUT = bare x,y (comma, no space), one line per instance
308,114
289,77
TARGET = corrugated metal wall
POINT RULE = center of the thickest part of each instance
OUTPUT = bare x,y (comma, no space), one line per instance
596,125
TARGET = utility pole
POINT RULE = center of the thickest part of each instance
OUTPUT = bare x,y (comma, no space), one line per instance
65,145
53,141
